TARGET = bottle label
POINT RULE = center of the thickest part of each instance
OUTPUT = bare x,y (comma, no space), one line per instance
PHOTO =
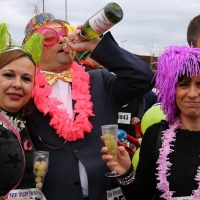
100,23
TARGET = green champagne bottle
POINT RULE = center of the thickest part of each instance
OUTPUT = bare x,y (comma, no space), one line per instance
100,22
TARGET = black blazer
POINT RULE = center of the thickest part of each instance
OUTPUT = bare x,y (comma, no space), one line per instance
133,79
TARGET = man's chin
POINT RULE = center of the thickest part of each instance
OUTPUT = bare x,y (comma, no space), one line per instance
64,61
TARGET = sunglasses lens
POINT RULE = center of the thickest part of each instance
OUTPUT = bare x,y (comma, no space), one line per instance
62,31
50,36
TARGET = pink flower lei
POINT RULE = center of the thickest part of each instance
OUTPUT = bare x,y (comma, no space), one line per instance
164,164
59,117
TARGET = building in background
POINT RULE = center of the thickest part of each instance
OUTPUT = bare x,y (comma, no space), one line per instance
149,60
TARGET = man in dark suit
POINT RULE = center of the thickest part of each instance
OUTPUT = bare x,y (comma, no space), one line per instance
67,117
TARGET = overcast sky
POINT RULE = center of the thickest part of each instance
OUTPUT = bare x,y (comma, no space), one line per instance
147,26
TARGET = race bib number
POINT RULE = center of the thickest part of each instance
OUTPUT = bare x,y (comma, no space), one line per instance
115,194
30,193
124,118
182,198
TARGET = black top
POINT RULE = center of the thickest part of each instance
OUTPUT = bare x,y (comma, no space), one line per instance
12,162
185,160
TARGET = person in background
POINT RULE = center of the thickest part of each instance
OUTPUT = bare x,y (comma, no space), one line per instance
130,115
71,105
193,32
86,61
175,172
150,99
17,71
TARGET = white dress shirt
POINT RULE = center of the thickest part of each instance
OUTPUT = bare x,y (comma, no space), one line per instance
62,91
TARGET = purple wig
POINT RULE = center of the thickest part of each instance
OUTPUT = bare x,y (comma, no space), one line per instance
175,62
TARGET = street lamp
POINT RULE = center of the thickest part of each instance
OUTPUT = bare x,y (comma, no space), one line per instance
43,5
66,10
123,42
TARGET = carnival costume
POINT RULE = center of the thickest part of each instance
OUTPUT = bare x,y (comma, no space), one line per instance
175,173
16,149
75,139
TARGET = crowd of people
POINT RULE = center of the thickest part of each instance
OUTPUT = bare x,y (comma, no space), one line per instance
51,102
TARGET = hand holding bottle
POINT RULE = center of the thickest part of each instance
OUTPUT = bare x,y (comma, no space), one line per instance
74,42
95,26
